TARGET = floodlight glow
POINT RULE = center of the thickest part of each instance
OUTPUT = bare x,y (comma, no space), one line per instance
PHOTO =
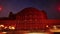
37,33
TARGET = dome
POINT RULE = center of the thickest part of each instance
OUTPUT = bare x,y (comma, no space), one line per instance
32,11
27,10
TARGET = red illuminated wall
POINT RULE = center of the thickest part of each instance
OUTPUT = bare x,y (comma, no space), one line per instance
30,18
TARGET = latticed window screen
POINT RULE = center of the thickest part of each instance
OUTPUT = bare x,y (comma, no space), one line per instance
31,18
28,22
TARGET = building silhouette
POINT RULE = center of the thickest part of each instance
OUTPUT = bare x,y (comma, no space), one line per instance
29,19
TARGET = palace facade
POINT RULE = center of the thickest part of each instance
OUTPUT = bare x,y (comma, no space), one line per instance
29,19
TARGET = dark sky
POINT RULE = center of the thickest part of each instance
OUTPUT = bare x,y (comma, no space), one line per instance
50,7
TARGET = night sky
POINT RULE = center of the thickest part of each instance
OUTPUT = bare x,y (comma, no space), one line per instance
51,7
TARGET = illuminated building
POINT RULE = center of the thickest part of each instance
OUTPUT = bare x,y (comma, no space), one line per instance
29,19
